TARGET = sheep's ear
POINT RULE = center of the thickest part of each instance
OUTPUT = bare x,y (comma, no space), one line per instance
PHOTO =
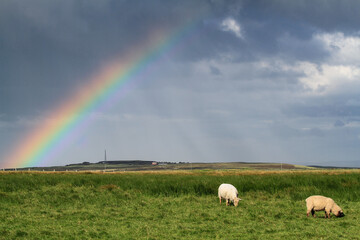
239,199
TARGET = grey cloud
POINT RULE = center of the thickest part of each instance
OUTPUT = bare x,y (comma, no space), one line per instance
51,47
327,15
302,49
339,123
215,70
285,131
326,110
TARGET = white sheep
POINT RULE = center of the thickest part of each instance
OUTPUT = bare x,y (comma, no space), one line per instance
229,193
321,203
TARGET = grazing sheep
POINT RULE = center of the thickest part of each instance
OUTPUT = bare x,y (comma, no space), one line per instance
321,203
229,193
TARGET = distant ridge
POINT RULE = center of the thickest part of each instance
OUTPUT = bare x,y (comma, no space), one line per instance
134,162
329,167
116,162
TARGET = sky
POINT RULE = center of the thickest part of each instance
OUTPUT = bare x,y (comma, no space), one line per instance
248,81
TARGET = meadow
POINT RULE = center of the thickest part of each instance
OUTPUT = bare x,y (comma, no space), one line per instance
176,205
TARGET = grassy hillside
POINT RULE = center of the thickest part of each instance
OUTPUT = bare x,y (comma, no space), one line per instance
175,205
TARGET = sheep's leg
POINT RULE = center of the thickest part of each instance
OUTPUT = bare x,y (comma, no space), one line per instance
227,202
308,212
327,213
310,208
220,199
313,212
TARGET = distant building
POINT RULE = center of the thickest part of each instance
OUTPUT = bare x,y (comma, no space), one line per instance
154,163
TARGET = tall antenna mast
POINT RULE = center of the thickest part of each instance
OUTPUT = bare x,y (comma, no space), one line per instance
105,160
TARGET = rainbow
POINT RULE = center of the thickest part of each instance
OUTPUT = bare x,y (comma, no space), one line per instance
43,142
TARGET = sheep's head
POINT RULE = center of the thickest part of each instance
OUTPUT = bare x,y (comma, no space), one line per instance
337,211
340,214
236,201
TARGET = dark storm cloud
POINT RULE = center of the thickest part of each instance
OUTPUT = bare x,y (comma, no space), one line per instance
69,39
49,47
327,15
271,28
301,49
287,27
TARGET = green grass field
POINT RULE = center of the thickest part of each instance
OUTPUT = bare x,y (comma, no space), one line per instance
175,205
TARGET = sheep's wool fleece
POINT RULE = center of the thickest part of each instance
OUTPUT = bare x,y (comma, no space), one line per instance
319,202
227,191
